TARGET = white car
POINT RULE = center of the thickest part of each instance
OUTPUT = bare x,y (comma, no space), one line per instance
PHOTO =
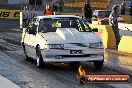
62,38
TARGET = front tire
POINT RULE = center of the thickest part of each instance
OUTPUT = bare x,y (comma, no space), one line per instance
98,64
39,61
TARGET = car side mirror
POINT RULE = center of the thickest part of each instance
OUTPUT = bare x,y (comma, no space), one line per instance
94,29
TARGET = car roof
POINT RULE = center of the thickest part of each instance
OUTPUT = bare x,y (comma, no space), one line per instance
53,16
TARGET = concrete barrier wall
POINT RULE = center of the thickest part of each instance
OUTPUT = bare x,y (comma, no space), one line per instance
127,18
106,33
125,44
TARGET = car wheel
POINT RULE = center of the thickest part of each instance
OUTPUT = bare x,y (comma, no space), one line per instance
98,64
39,61
27,58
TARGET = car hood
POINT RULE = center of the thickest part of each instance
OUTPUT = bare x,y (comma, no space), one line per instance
70,35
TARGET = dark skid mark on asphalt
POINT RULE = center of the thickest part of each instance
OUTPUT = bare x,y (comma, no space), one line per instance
3,48
64,79
69,79
12,42
59,76
103,85
48,67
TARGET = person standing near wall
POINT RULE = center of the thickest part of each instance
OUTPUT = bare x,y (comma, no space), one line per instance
130,9
87,11
114,23
123,7
48,10
55,5
61,5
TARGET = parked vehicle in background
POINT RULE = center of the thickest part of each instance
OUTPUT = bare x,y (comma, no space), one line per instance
102,17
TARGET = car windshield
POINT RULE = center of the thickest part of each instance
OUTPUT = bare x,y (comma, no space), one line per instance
103,14
51,24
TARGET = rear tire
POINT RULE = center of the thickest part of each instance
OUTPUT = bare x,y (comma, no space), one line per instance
98,64
39,61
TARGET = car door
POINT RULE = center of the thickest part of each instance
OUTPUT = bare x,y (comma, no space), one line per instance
31,40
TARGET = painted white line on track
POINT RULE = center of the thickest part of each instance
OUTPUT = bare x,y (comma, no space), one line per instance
5,83
17,30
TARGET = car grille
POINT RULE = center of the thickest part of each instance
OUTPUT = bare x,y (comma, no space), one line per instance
86,55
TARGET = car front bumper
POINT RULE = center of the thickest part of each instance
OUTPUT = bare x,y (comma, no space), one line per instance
54,55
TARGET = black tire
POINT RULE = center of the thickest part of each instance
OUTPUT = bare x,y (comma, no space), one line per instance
27,58
82,80
39,61
98,64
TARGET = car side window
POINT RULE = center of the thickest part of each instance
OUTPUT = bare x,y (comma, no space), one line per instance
32,28
46,25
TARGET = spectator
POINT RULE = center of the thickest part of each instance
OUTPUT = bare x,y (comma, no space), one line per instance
130,8
87,11
122,7
61,5
114,23
55,5
48,11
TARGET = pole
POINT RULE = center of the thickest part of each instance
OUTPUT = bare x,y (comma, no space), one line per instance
21,16
35,5
21,4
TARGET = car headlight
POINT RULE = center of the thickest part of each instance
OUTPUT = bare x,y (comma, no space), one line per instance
56,46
